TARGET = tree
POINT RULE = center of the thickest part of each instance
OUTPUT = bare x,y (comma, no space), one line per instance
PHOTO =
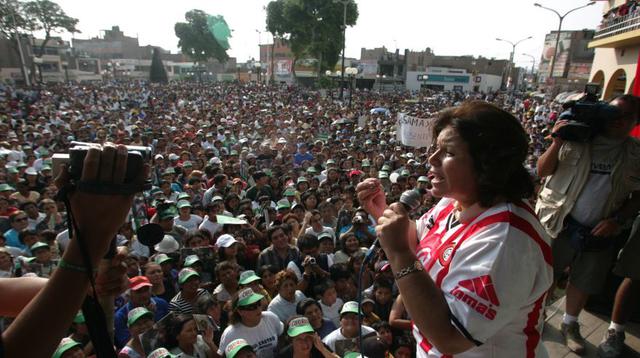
15,24
49,17
314,27
196,40
157,73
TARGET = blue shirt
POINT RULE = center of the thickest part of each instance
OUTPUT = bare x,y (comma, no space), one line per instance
121,333
298,158
11,237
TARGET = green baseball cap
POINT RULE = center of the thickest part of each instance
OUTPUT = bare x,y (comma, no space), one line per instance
331,161
185,274
161,353
79,318
386,168
6,187
169,170
353,355
298,326
383,175
283,204
169,212
234,347
12,170
183,204
190,260
366,163
247,297
350,307
39,245
405,173
162,258
423,179
289,192
135,314
65,345
246,277
302,180
311,170
183,195
187,164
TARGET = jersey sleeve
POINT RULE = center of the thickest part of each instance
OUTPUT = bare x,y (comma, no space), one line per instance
494,276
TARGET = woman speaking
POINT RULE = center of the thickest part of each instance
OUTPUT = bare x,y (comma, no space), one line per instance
474,270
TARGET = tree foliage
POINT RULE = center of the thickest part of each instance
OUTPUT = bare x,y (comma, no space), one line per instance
313,27
157,73
13,18
196,41
50,18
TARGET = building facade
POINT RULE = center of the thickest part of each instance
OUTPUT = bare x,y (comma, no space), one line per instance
572,65
617,46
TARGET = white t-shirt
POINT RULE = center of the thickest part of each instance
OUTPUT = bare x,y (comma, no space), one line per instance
191,224
332,312
283,308
494,273
263,337
340,344
212,227
589,205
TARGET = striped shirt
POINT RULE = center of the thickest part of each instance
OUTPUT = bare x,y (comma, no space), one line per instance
180,305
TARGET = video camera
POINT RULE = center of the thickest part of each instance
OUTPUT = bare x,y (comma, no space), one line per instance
586,117
136,157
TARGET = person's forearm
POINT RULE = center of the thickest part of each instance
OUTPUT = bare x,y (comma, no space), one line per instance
548,161
395,316
427,307
17,293
56,304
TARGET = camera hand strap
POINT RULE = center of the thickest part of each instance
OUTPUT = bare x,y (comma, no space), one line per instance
91,308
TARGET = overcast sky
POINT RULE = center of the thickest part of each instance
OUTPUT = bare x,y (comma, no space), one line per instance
464,27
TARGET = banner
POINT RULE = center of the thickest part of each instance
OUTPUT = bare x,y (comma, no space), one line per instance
414,131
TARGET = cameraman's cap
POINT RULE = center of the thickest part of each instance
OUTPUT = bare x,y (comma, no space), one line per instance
184,204
246,277
138,282
39,245
65,345
137,313
162,258
247,297
190,260
350,307
187,273
226,240
167,245
169,212
298,326
235,347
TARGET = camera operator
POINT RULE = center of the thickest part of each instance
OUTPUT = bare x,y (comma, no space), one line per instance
67,287
590,192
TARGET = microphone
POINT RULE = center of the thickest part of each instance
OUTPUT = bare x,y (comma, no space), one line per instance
410,200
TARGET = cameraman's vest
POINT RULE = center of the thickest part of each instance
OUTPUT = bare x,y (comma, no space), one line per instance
562,188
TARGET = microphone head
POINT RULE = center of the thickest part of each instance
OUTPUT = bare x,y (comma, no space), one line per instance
411,199
150,234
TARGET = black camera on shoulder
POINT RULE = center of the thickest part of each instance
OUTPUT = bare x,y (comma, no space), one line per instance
586,117
136,157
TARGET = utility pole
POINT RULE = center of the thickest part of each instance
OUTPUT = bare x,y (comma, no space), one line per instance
25,73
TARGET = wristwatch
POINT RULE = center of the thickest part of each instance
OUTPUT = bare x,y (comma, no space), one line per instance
415,267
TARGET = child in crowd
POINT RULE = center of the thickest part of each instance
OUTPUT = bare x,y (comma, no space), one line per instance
329,301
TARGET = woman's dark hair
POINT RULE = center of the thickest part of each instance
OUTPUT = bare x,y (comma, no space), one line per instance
380,325
227,200
26,232
343,241
174,327
498,146
271,268
192,234
306,195
306,303
307,241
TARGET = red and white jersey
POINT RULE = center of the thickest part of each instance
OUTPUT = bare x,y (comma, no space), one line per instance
494,272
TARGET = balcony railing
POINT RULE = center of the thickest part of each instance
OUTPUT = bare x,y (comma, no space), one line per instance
618,25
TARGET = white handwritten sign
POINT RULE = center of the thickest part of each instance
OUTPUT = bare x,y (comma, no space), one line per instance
414,131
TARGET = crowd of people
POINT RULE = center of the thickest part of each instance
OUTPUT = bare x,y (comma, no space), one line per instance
256,190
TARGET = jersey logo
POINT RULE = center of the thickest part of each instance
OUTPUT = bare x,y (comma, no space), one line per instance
446,254
479,294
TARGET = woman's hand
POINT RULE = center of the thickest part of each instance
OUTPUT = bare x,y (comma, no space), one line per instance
395,230
371,197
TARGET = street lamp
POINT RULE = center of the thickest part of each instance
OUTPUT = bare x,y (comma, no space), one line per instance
380,79
38,61
561,18
344,41
351,73
513,51
65,66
